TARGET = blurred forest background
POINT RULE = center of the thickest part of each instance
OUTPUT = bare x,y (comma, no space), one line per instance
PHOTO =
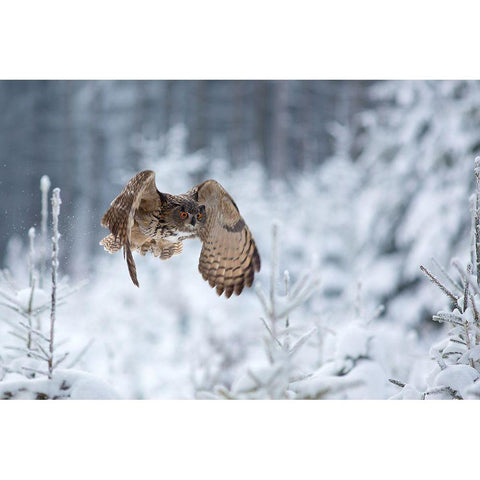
84,132
366,180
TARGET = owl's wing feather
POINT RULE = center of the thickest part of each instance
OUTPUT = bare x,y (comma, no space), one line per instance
140,192
229,256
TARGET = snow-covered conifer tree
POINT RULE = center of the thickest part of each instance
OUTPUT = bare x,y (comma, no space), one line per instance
415,147
456,357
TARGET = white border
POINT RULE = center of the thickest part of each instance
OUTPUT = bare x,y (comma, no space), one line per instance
304,39
237,440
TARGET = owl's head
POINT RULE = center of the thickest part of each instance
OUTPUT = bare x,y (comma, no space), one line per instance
188,216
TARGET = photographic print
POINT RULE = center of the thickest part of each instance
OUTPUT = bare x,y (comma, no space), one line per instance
240,239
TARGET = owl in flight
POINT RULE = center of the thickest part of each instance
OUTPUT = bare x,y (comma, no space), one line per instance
145,220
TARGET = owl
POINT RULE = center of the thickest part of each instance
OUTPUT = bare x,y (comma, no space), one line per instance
144,220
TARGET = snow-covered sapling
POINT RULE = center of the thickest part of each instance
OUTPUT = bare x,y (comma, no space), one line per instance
274,380
30,303
56,202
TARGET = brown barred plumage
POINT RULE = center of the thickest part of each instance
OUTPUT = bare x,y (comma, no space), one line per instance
145,220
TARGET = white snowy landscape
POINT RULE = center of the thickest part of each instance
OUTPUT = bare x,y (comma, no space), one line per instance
370,278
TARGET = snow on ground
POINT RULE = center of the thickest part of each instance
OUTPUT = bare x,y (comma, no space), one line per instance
64,385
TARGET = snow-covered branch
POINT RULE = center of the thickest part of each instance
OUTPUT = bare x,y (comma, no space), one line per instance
56,202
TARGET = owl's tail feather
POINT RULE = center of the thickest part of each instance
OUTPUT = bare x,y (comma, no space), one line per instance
132,269
112,244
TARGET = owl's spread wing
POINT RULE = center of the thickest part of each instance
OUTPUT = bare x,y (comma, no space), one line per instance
229,256
139,193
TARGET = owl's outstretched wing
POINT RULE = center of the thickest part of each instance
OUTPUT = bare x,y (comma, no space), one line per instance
229,256
140,192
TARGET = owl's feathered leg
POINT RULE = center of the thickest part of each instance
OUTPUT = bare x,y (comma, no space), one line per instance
111,244
132,269
169,250
164,249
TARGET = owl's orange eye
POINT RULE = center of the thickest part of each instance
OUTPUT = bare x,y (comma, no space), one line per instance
183,215
199,216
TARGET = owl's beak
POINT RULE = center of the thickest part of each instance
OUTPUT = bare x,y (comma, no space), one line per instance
193,221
